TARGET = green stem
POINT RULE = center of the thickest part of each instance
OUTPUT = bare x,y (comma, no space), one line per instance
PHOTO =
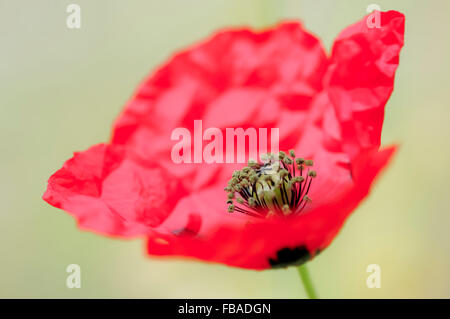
306,280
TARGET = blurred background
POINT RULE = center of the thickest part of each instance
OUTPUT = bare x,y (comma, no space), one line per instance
61,89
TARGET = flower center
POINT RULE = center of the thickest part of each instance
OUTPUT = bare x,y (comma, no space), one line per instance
277,186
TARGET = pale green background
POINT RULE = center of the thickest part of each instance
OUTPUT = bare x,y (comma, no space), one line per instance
61,89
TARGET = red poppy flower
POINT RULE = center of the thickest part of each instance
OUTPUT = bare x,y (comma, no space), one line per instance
329,109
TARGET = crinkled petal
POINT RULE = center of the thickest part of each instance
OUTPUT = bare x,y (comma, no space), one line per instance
360,78
109,193
237,78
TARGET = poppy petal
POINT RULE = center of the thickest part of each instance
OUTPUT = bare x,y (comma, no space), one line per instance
109,193
361,77
237,78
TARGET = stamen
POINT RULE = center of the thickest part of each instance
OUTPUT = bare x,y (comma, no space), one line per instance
274,187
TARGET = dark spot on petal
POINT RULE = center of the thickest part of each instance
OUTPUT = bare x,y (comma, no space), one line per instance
290,257
346,165
192,228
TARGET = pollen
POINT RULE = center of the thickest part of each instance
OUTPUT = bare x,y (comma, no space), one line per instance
277,186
